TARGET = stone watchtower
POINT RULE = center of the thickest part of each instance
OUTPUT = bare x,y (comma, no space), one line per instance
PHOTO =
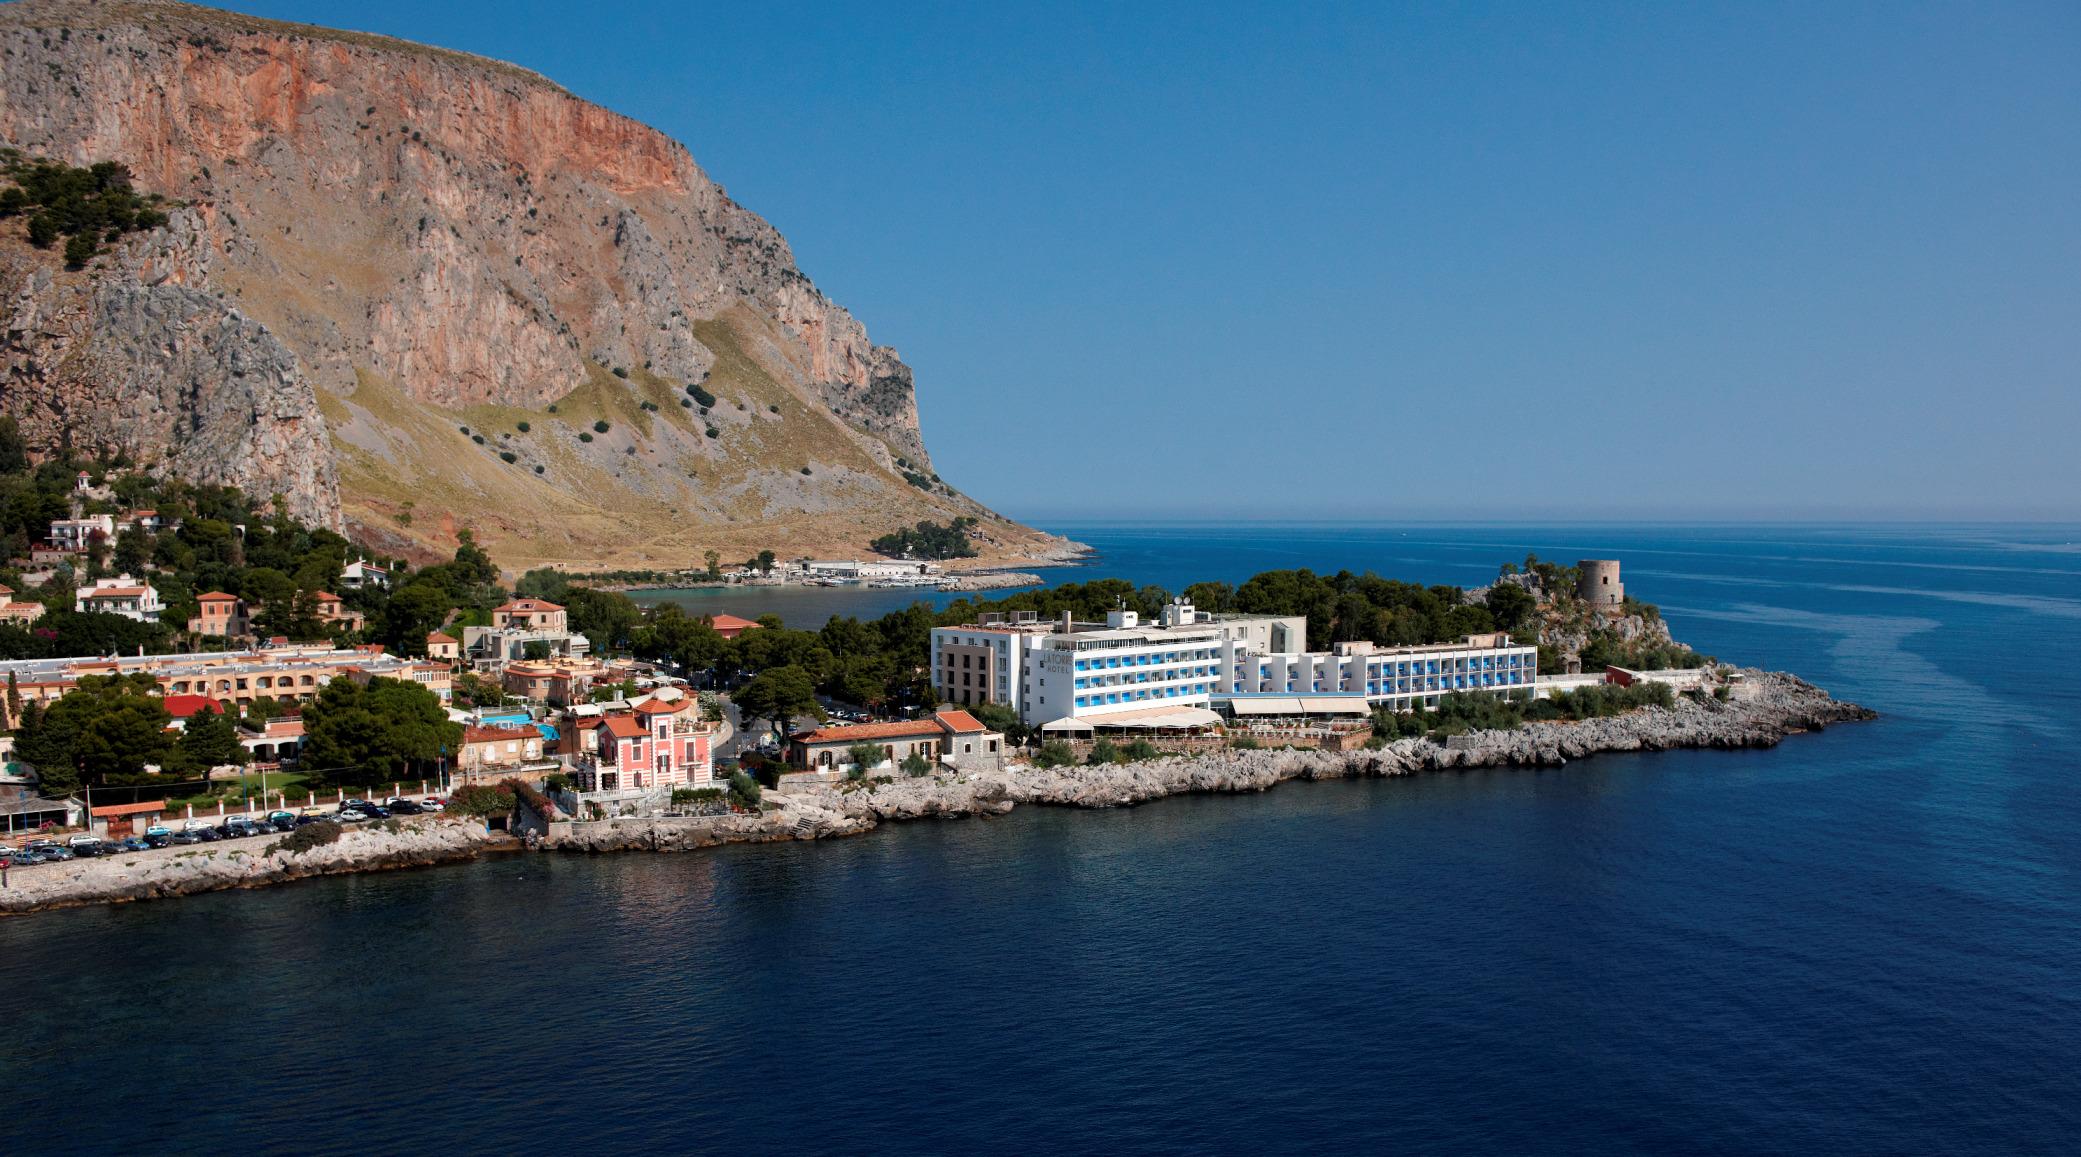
1600,586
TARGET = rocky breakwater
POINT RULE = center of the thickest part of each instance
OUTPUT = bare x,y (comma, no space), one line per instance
1770,708
253,863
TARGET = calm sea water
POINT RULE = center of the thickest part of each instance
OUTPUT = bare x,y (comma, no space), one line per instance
1863,941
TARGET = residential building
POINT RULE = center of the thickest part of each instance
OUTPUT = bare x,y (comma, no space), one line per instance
520,627
19,614
287,674
218,613
333,611
438,678
72,535
530,615
445,648
361,573
949,735
489,754
558,682
660,742
148,521
731,626
122,595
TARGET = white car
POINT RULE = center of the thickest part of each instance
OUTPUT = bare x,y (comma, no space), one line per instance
350,817
197,826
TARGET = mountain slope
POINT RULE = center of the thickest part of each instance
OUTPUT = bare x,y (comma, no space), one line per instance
415,241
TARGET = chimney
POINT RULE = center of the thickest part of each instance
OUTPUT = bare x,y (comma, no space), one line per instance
1068,625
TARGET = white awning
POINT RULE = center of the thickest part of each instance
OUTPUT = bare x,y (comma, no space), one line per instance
1071,725
1271,706
1152,717
1338,705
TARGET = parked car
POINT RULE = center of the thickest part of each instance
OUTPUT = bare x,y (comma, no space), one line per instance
24,857
194,825
158,835
238,829
404,807
282,821
51,850
372,811
349,816
184,837
134,844
87,846
206,834
307,819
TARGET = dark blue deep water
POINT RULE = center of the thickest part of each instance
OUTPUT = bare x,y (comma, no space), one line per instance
1864,941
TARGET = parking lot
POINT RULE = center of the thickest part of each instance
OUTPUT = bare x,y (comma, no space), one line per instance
37,854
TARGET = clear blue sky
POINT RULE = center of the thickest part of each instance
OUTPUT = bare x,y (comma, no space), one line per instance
1407,261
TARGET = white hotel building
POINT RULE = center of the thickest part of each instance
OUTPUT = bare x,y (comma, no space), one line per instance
1173,672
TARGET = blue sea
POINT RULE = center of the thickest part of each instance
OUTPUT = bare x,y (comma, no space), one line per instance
1864,941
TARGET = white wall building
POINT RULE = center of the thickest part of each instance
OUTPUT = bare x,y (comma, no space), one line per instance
122,595
362,572
73,534
1059,669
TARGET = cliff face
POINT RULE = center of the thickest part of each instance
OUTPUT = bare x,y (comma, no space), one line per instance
438,241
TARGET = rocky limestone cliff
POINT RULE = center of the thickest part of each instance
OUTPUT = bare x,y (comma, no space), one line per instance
441,241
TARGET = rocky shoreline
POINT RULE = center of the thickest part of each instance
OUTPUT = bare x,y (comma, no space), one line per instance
166,872
1770,708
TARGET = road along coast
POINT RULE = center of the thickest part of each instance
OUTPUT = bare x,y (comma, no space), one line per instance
1771,708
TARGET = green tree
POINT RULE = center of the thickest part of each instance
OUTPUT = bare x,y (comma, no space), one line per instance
14,449
388,730
744,790
209,739
1103,752
713,558
915,765
778,694
1511,606
80,248
107,729
1055,753
865,755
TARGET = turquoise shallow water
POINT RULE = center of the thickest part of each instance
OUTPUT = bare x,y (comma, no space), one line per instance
1863,941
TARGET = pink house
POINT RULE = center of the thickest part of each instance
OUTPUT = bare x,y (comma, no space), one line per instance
659,743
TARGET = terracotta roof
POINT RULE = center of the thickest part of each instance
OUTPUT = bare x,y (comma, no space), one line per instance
530,605
141,807
656,706
114,593
959,722
722,622
624,727
498,734
866,731
327,597
182,706
438,637
216,597
6,590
